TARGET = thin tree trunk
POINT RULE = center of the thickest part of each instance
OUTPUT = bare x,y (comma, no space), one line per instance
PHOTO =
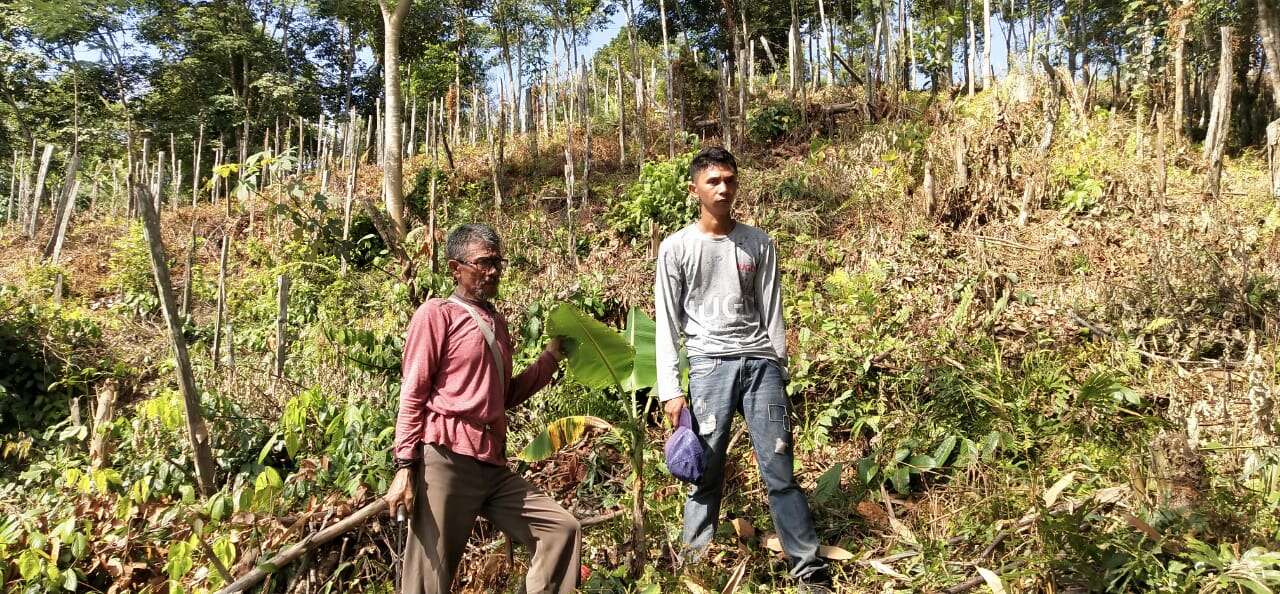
971,49
1222,119
393,173
186,272
282,324
1179,79
64,219
988,34
1269,30
195,168
666,58
196,430
66,203
37,192
222,302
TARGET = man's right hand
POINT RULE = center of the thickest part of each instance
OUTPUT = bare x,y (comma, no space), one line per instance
400,495
672,408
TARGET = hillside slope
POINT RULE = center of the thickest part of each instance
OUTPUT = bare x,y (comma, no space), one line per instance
1083,401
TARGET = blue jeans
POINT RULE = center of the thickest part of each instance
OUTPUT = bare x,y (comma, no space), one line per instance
719,387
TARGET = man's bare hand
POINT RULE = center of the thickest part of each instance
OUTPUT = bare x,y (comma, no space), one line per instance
556,347
400,495
672,408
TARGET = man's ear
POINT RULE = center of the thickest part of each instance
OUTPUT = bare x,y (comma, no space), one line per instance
691,188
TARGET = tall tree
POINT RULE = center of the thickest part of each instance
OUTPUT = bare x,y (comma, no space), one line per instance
392,172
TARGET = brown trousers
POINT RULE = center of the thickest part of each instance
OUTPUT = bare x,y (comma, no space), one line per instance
451,490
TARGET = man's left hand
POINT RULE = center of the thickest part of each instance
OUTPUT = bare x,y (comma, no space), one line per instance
556,347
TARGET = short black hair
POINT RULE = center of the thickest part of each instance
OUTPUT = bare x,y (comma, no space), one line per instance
465,235
709,156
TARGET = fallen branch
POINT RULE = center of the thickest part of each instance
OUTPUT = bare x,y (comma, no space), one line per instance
602,518
314,541
1080,321
975,581
310,543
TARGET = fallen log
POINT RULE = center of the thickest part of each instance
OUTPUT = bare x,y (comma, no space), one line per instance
317,539
310,543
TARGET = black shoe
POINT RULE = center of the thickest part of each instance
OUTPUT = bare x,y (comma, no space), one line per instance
818,582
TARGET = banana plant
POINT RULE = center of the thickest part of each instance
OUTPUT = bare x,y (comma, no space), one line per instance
601,358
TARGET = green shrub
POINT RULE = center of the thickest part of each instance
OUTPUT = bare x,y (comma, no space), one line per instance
1083,192
130,272
50,355
660,195
772,121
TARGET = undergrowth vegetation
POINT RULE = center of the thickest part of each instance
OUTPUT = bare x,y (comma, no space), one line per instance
1084,401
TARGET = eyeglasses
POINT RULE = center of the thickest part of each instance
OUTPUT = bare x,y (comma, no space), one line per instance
487,263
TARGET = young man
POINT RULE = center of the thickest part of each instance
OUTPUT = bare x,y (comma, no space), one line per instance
451,431
717,287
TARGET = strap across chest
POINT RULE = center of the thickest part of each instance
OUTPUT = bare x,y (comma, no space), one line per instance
489,338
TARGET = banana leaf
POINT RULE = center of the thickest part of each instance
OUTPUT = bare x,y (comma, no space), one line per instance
599,356
640,334
558,434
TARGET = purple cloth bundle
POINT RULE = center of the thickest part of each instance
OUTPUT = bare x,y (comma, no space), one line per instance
684,451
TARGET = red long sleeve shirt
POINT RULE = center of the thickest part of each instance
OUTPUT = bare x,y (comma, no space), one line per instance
451,394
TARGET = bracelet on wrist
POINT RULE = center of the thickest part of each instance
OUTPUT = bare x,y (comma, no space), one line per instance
402,463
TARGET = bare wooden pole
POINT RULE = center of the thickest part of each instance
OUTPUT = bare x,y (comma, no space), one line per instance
13,190
38,191
282,323
666,58
222,302
196,430
186,272
65,204
1221,125
195,167
175,172
64,219
622,116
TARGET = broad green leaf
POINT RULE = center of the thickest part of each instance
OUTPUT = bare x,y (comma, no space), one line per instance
944,449
901,479
641,335
922,463
558,434
269,478
69,581
30,564
225,550
968,454
599,356
829,483
867,470
180,561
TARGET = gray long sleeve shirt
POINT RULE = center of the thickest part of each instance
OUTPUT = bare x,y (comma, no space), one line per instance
722,294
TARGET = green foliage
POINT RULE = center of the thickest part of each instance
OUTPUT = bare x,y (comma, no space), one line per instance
50,354
129,273
558,434
641,335
660,195
772,121
1082,193
599,357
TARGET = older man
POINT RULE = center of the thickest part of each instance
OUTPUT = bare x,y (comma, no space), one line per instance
451,430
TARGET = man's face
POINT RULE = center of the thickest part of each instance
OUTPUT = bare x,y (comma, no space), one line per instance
715,187
479,273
